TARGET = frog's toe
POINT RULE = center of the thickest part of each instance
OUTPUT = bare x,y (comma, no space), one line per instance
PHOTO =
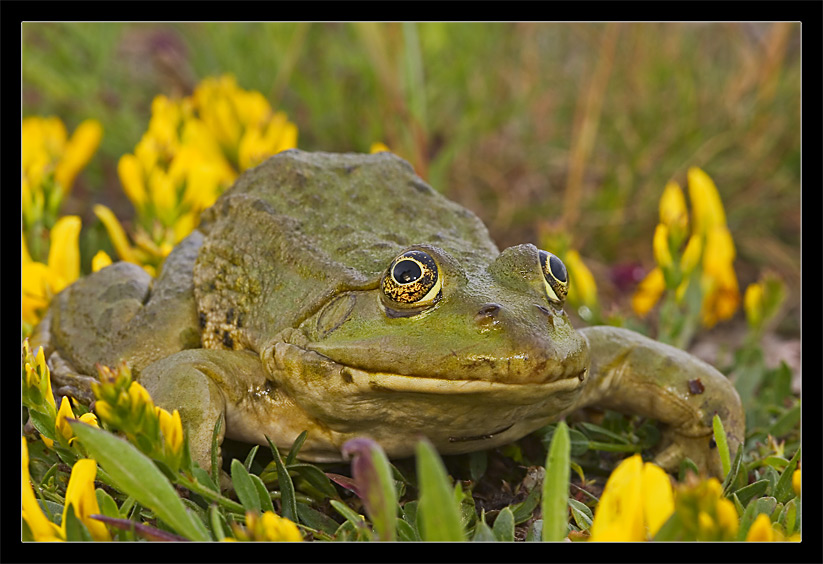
701,450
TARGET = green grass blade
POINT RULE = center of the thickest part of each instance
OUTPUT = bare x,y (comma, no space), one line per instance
288,501
722,445
556,486
438,513
137,476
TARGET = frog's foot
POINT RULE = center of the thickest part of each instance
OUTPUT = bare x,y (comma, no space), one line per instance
701,450
68,382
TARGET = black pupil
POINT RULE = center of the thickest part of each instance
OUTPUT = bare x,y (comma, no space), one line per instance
558,268
407,271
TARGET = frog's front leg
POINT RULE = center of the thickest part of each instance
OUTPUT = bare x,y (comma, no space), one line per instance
631,373
205,384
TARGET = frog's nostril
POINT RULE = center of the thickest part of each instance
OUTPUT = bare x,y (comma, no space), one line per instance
489,310
487,315
543,309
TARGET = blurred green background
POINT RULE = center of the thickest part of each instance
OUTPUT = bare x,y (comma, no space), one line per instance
537,128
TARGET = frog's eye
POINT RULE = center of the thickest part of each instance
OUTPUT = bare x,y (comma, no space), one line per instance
412,280
556,277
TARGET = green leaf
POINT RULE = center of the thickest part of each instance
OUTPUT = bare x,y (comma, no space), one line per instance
405,532
107,504
315,519
438,513
43,423
523,511
535,532
262,493
315,477
288,502
348,513
250,458
687,465
503,527
137,476
763,505
295,448
751,491
786,422
671,530
788,517
722,445
217,521
478,461
244,487
783,491
482,532
215,448
203,477
556,486
75,529
731,477
582,514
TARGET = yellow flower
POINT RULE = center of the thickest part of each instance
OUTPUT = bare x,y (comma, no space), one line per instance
172,428
41,528
78,152
582,287
377,147
100,261
706,203
796,482
673,212
130,171
116,233
268,527
80,498
648,292
753,304
660,244
41,281
636,501
691,255
61,424
727,519
761,530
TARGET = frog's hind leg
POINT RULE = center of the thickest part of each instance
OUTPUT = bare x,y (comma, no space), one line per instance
83,319
120,313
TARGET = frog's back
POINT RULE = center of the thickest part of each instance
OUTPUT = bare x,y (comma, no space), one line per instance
360,208
301,227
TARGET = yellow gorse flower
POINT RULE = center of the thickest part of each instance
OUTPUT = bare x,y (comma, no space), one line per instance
710,246
703,511
63,415
41,281
51,162
378,147
582,286
41,528
125,405
191,152
267,527
81,499
636,501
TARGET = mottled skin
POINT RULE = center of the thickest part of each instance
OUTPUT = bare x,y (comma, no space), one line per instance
272,314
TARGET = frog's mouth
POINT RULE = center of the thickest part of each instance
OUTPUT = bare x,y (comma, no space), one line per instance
292,357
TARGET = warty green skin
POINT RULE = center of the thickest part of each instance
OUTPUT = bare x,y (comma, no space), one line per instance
271,315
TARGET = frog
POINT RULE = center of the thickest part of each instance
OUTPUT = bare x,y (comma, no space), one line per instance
340,295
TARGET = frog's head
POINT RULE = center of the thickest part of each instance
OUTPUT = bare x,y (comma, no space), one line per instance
470,353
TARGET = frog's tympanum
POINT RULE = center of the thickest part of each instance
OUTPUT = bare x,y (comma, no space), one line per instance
342,295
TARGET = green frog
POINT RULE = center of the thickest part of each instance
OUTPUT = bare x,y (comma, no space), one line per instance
340,294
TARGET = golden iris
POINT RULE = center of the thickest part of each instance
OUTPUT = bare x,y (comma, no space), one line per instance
412,279
556,277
